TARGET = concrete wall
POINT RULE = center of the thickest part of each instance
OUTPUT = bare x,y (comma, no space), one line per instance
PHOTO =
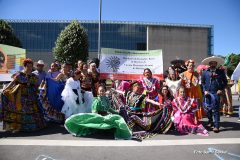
176,42
47,57
179,42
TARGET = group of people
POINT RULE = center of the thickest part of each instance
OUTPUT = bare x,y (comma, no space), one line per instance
134,109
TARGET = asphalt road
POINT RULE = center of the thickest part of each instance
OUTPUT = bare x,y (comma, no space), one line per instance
56,143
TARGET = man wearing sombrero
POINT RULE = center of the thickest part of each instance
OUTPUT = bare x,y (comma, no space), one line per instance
39,72
213,81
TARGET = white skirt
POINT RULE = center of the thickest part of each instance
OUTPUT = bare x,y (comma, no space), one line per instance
71,107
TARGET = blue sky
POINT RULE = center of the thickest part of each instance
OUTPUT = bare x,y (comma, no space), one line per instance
223,14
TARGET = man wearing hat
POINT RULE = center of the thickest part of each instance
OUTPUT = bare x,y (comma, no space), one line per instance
40,72
213,82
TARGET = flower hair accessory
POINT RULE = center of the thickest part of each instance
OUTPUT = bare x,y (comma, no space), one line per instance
189,61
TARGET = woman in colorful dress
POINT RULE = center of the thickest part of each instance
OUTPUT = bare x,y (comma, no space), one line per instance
151,86
118,100
172,81
184,109
74,102
95,77
86,78
50,93
190,80
159,121
20,105
102,118
64,74
145,124
53,71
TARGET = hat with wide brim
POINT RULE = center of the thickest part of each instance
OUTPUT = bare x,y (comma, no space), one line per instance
219,60
40,62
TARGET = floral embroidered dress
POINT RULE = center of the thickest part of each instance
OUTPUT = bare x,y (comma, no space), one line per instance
118,100
184,108
146,124
135,102
83,124
21,111
151,86
86,81
95,82
190,80
143,124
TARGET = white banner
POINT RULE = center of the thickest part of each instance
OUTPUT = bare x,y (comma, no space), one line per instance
129,64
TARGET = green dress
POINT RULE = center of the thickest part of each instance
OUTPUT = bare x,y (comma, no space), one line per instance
83,124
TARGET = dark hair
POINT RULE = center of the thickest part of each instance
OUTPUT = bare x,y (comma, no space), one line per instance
134,84
97,61
77,72
82,64
2,58
27,61
147,69
90,61
103,86
169,95
56,64
68,63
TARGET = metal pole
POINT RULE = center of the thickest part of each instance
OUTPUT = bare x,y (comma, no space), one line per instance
99,29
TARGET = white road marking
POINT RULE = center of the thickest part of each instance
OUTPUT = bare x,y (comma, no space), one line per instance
117,143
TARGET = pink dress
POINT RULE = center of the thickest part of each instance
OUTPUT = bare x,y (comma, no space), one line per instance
184,108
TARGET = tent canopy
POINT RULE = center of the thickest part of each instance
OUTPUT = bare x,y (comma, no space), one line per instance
236,74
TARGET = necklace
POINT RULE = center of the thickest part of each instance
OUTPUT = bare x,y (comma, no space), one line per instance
149,84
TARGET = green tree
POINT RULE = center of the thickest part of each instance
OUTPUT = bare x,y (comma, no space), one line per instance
233,60
7,36
71,44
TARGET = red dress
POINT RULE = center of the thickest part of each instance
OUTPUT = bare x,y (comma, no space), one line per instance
152,86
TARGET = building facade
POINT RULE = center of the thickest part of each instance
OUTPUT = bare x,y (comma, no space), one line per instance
178,41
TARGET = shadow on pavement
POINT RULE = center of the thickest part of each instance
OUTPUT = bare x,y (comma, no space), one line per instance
50,129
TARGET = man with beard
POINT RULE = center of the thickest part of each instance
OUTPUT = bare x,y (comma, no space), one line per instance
213,81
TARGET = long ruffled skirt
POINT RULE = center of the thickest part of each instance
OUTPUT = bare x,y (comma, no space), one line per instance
51,102
146,124
83,124
20,110
184,123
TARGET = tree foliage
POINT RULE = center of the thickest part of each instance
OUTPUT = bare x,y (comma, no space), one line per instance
231,63
7,36
71,44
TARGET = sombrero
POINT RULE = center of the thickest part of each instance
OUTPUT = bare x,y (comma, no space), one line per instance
219,60
40,62
209,102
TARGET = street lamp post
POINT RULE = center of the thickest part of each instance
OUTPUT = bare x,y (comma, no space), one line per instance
99,29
